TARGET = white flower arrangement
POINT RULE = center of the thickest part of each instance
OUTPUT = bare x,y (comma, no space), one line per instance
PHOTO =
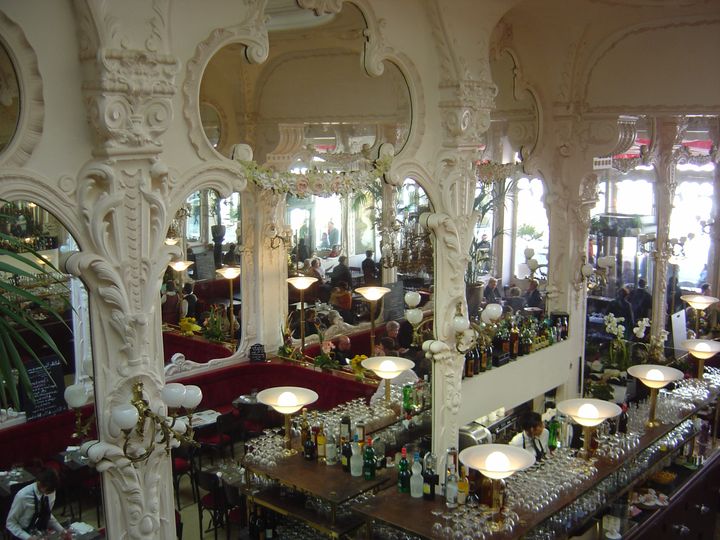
640,328
613,326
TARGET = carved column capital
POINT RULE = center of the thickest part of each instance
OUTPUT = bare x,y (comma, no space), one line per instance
465,109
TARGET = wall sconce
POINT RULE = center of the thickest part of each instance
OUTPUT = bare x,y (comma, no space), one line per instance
388,368
278,238
372,295
654,377
171,240
497,462
699,303
588,413
415,316
77,395
301,283
137,413
287,400
491,314
462,329
230,273
702,349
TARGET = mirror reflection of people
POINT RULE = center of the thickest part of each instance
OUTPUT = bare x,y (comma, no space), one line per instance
533,437
369,268
533,298
333,234
491,294
640,300
30,515
343,352
189,302
170,304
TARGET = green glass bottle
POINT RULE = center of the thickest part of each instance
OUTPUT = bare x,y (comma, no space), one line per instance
403,481
369,461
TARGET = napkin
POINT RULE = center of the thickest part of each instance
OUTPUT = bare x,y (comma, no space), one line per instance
72,449
81,528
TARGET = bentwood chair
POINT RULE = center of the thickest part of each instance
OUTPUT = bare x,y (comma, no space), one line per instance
212,502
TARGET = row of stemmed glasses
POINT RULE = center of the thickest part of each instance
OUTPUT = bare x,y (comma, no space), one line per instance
265,450
472,522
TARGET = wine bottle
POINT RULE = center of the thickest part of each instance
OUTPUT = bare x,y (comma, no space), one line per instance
407,399
469,364
345,454
403,481
554,431
369,461
304,427
321,442
416,479
430,477
269,526
345,428
309,449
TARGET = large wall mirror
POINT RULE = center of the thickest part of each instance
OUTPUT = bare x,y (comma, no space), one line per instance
46,301
9,99
311,107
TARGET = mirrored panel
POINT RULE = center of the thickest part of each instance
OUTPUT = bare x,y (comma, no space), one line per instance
9,99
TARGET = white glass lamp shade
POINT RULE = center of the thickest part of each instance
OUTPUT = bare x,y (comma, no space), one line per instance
496,461
412,298
125,416
587,270
172,240
173,394
287,399
414,316
702,348
229,272
655,376
699,301
587,411
387,367
372,293
193,396
301,282
180,266
460,323
75,396
491,313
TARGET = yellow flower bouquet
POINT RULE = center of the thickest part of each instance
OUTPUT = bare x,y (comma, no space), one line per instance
188,326
356,365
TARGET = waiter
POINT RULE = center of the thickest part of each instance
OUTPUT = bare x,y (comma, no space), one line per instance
533,437
30,515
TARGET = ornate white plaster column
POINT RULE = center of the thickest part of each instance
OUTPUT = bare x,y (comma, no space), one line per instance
663,154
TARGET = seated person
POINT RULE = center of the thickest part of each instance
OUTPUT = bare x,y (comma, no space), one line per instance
343,354
533,437
386,347
170,304
335,251
337,325
533,298
515,301
341,272
341,300
491,294
392,331
316,270
312,325
31,515
369,268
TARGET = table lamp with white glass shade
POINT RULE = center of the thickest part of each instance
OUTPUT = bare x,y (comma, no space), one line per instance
496,462
654,377
180,267
372,295
588,412
301,283
702,349
388,368
287,400
699,303
230,273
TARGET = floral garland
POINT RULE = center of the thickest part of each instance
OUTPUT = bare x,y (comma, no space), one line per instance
315,182
491,171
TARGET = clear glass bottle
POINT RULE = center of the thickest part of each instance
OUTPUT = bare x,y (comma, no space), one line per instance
416,479
451,488
356,460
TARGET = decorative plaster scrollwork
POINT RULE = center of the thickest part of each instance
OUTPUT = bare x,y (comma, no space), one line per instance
251,32
322,7
32,104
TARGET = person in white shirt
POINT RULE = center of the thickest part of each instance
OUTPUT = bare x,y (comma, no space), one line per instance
533,437
30,515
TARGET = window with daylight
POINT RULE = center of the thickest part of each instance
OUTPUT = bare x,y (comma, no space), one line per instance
532,228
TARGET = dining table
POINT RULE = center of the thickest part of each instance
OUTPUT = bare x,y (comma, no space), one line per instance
13,480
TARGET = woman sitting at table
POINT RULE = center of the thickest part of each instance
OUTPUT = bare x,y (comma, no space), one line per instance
30,515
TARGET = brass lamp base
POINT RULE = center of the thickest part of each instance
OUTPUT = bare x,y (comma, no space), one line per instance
652,422
289,450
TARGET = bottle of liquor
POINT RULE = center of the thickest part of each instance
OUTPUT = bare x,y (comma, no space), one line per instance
261,524
469,364
304,428
403,481
369,461
331,451
554,432
345,428
451,488
356,460
360,432
309,449
416,479
407,399
451,458
623,419
321,442
514,340
269,526
315,427
463,486
345,454
430,477
253,532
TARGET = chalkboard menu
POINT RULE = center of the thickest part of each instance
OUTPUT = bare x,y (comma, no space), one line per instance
394,301
47,392
205,265
257,353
